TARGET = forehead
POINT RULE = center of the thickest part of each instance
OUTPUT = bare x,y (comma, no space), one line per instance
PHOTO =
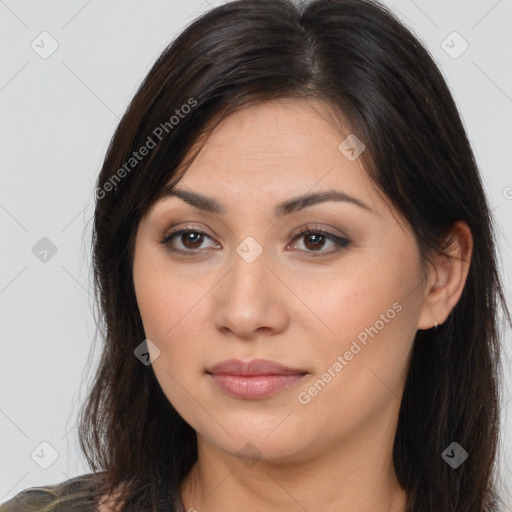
268,154
277,129
287,144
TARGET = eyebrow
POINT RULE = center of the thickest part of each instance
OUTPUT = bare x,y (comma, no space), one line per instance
211,205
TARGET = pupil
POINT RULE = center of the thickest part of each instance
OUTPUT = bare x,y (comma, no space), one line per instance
189,238
316,240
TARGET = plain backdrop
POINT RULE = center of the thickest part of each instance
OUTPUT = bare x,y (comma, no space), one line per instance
57,115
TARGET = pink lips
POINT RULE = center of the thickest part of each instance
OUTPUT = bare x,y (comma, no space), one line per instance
255,379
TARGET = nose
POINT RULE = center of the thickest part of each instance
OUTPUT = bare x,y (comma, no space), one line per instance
250,300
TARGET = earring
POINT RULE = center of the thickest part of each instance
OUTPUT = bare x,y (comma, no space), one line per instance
435,324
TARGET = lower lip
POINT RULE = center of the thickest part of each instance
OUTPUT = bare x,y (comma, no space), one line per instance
255,386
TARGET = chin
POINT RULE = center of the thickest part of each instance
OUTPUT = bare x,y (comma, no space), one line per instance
257,438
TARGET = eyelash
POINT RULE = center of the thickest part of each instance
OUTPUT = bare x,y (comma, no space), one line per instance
340,241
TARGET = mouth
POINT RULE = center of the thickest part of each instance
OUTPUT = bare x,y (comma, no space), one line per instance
255,379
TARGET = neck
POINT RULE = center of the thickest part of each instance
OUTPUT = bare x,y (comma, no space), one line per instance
356,476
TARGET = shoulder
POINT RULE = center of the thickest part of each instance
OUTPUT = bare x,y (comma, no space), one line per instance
77,494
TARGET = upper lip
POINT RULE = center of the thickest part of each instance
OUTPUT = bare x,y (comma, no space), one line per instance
254,367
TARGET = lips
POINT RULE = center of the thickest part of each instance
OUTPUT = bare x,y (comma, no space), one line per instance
251,368
255,379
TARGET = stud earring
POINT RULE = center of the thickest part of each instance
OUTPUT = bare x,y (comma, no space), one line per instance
435,324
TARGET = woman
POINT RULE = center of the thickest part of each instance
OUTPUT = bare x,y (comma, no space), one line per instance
296,272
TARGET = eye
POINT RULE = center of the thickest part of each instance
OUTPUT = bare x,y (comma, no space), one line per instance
191,240
314,240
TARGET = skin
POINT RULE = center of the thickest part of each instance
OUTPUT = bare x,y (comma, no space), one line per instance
293,304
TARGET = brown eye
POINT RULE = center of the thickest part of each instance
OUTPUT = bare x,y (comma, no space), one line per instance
315,241
191,239
186,239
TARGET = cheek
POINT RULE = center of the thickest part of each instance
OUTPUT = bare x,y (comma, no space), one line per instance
368,319
170,321
152,298
161,298
345,305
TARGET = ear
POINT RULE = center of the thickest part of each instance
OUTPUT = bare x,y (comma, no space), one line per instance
447,278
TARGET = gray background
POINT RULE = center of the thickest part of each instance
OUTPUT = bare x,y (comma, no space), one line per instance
57,116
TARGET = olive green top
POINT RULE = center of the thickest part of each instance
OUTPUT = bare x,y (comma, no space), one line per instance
77,494
73,495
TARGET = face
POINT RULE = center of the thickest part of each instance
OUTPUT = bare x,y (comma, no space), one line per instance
330,290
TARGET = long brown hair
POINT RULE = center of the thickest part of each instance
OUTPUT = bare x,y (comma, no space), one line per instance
360,60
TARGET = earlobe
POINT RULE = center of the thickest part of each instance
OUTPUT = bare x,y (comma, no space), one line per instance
448,277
